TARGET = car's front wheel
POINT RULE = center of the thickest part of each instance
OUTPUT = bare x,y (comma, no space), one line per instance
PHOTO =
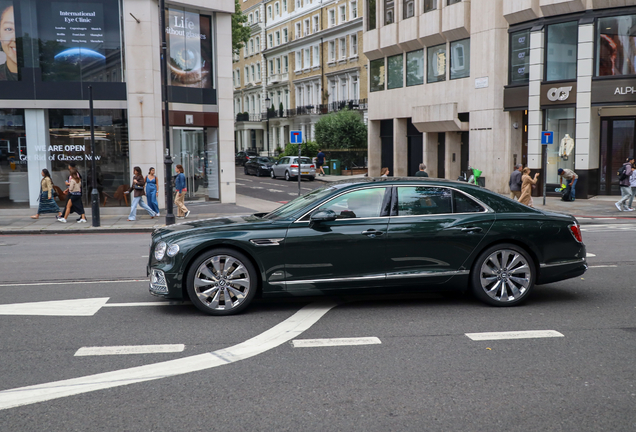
287,176
222,282
245,170
271,174
503,275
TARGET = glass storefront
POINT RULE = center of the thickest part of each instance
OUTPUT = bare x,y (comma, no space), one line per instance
14,182
617,143
616,46
196,149
560,154
561,55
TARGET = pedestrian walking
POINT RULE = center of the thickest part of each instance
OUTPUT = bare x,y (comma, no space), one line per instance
47,202
69,203
526,187
320,161
571,177
624,176
422,172
75,197
384,172
137,188
152,191
180,191
632,183
515,182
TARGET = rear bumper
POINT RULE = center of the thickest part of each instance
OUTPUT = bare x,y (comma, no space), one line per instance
555,272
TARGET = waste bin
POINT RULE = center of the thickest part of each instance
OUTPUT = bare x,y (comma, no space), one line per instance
334,167
325,168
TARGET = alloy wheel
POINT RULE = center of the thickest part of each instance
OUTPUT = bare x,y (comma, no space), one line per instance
222,282
505,275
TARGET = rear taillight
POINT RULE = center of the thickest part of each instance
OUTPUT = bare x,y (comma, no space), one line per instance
576,232
311,166
293,166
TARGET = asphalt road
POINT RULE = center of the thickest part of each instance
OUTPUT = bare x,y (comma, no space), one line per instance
277,190
426,374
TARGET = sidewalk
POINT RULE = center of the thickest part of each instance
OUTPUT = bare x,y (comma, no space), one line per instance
115,219
598,207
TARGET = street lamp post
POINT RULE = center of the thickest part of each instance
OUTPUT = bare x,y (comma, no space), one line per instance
94,192
170,219
267,101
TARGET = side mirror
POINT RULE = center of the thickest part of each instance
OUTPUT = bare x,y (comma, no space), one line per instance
323,216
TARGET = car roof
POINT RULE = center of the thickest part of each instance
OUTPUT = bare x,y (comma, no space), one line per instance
398,180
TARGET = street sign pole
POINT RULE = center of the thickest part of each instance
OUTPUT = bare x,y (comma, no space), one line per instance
547,138
300,145
94,191
296,137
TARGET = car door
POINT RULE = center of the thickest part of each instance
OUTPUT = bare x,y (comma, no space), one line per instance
279,168
432,232
346,252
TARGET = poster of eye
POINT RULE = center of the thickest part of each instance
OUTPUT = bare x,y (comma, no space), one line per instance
190,49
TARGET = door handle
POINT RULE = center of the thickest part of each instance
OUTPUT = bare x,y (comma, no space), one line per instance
472,229
372,233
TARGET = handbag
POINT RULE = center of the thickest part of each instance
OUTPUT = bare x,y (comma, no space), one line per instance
138,187
59,193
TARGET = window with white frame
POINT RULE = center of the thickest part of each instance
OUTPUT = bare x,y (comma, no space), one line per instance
343,48
316,59
307,27
284,5
258,72
332,17
277,9
332,91
253,104
343,89
277,38
253,70
256,17
252,46
332,51
286,100
310,94
298,60
285,64
247,104
258,103
285,35
270,41
299,96
258,44
250,18
247,75
355,92
353,9
342,14
316,25
298,4
269,12
307,59
277,65
271,67
354,45
298,31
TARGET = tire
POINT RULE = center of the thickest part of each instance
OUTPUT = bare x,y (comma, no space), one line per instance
287,176
209,283
245,170
312,178
503,275
258,172
271,174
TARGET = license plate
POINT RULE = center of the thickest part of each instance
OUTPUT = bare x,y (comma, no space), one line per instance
305,172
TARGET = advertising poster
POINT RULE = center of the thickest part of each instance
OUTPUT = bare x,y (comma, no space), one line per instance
617,46
8,48
189,49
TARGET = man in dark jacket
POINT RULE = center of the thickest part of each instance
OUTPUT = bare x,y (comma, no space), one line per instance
515,182
626,190
422,172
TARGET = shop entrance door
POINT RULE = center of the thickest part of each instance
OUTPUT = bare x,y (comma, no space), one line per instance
617,143
189,151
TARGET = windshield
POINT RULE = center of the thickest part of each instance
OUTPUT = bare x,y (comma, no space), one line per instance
290,210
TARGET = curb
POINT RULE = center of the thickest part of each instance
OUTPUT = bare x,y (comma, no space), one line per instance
78,231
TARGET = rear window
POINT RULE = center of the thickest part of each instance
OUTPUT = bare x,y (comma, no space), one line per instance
303,160
422,200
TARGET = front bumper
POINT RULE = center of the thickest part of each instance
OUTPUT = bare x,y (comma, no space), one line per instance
158,283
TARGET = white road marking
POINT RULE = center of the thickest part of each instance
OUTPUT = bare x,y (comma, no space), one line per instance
73,282
287,330
240,184
603,266
308,343
270,184
144,256
78,307
274,190
589,255
153,303
256,187
292,193
129,349
530,334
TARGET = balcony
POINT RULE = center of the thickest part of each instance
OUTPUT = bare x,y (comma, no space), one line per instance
276,78
355,104
248,117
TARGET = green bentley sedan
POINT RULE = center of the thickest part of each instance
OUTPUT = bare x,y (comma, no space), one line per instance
390,234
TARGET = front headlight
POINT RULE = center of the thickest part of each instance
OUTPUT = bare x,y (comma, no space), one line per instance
160,251
173,250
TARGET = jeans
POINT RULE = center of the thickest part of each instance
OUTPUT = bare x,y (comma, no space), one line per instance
626,193
631,200
133,207
573,192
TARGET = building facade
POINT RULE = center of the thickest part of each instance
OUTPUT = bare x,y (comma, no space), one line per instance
56,51
474,83
303,60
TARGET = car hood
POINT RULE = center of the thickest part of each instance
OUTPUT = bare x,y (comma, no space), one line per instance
223,222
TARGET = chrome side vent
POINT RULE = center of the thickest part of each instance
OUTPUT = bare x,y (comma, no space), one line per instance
267,242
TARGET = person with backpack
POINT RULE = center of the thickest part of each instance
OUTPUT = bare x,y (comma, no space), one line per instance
571,177
624,173
632,183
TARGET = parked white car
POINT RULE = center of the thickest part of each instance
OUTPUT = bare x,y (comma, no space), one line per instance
287,167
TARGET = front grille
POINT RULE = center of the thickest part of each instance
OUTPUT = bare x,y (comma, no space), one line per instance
158,283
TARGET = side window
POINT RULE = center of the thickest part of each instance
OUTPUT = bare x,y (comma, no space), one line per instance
418,200
365,203
463,204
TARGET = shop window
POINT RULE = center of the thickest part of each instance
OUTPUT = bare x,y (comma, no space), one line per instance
371,10
562,121
436,64
561,51
395,75
415,68
430,5
519,70
14,177
376,68
460,59
616,46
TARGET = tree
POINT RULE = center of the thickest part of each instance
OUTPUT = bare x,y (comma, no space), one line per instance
240,32
343,130
308,148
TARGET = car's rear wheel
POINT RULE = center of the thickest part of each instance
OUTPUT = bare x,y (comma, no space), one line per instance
272,175
312,178
222,282
503,275
287,176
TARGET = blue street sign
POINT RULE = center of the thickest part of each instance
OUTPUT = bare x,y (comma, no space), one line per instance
547,138
296,137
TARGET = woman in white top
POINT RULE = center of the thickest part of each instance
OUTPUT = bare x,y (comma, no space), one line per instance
632,183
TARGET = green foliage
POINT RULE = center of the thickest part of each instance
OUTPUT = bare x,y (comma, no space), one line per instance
240,31
343,130
309,149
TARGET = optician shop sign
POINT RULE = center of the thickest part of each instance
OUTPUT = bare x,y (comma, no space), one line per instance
558,94
613,91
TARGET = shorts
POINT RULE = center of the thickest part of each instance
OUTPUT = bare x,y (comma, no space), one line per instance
319,164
